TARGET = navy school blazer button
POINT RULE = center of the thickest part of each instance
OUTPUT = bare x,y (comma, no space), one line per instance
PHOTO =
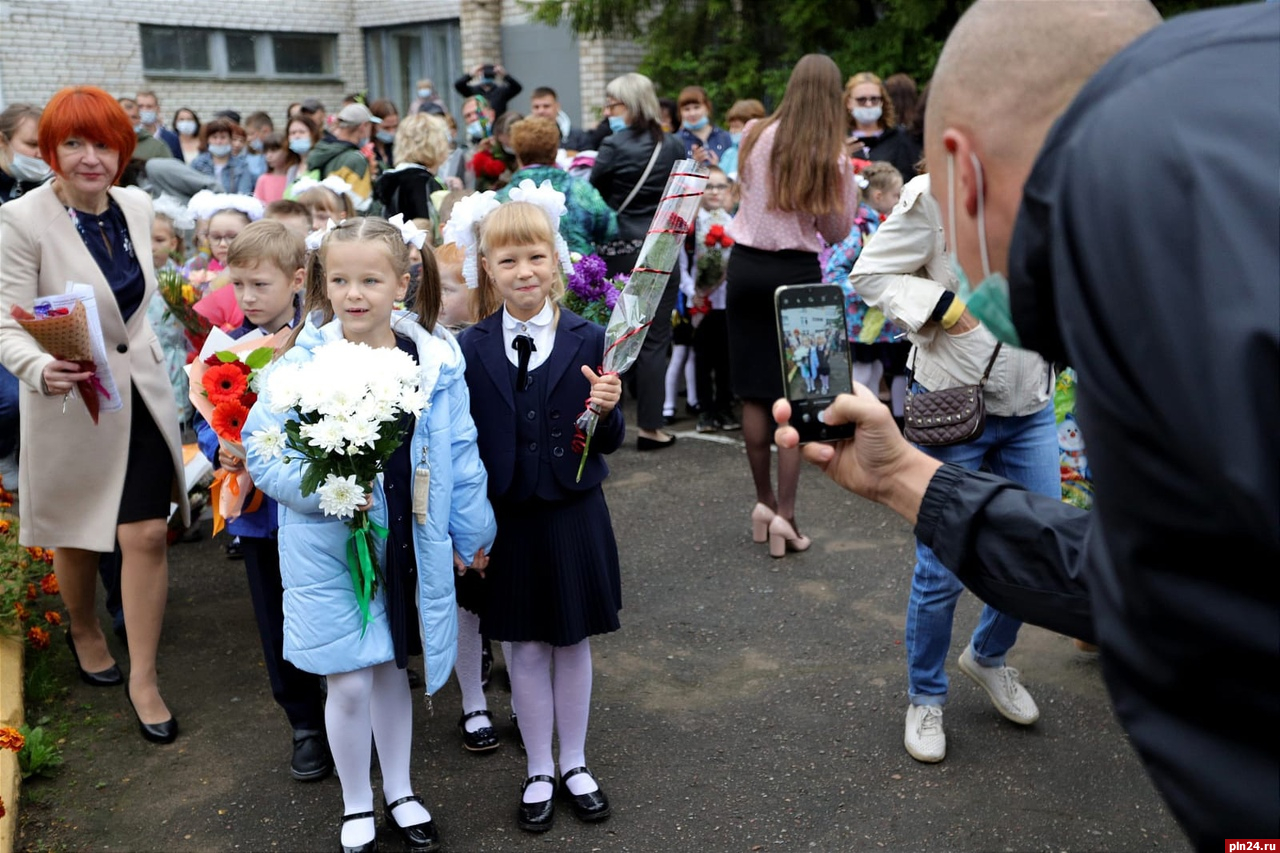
531,414
555,414
533,446
556,432
557,452
122,348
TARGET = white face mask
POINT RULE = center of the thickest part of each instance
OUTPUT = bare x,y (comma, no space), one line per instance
186,127
866,115
29,169
147,116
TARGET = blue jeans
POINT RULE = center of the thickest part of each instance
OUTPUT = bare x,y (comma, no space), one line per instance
1025,450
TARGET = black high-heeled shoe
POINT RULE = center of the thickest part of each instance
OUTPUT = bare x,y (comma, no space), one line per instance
589,807
109,677
419,838
166,732
483,739
372,845
537,817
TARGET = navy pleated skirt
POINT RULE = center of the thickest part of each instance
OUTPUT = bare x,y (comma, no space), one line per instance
553,573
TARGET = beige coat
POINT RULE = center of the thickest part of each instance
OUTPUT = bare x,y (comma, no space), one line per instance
71,471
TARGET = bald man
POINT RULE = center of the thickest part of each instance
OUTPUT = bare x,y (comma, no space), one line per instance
1132,202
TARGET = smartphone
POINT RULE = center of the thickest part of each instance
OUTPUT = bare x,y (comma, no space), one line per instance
814,347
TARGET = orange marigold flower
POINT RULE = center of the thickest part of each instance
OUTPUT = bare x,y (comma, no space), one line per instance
48,556
4,526
20,609
36,552
49,583
11,738
39,638
32,592
53,617
228,419
225,383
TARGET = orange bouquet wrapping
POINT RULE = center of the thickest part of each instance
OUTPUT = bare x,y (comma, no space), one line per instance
222,391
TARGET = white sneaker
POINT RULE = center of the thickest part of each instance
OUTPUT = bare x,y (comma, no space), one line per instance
1001,683
924,739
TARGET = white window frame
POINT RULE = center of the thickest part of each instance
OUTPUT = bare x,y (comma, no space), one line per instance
264,56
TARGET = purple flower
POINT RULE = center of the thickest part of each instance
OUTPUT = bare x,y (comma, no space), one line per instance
587,277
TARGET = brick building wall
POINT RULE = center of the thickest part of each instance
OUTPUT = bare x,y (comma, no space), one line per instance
101,44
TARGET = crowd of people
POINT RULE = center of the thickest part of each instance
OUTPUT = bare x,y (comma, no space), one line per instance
378,227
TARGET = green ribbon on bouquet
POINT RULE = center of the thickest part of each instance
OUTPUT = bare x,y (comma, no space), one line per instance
362,562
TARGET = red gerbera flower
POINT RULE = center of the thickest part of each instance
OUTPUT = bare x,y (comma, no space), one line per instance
228,419
225,383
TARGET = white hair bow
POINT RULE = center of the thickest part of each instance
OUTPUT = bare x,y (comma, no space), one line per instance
462,229
861,181
205,204
315,238
172,207
412,234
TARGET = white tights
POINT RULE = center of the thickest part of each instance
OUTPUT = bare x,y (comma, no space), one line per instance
375,700
682,361
470,646
561,701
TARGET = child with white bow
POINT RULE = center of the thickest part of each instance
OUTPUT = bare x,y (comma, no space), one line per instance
553,578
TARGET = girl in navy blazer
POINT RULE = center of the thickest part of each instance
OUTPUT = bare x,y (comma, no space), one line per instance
552,579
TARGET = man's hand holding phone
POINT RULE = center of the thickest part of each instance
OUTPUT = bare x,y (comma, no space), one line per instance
878,463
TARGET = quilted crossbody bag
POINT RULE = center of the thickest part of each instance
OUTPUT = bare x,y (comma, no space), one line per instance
952,416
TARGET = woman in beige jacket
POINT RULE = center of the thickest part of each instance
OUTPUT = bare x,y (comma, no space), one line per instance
85,486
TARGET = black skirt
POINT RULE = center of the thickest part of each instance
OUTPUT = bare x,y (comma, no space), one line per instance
148,477
553,573
753,277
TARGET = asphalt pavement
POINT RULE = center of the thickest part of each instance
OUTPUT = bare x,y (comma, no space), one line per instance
747,704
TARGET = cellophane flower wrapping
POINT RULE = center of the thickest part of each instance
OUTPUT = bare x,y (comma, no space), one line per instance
349,404
637,305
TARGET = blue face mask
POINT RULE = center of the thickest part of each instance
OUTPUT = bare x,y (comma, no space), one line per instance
989,301
147,116
255,145
300,146
736,137
697,125
386,137
219,150
424,93
475,130
617,124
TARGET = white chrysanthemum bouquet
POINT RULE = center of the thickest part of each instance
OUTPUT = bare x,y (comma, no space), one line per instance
349,402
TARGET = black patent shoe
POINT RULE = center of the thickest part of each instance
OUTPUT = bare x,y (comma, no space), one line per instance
537,817
109,677
483,739
311,759
419,838
587,807
372,845
166,732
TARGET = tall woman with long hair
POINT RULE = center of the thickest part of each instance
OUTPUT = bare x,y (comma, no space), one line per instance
796,182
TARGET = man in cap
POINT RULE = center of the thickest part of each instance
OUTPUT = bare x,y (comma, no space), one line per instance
342,156
1139,241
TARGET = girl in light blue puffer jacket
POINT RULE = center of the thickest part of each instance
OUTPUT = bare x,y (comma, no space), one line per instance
353,280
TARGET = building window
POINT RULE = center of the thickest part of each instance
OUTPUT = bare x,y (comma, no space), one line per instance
397,57
190,52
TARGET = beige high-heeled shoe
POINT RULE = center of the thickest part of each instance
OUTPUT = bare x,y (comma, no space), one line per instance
783,538
761,515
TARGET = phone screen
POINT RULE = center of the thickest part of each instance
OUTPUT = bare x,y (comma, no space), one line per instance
815,356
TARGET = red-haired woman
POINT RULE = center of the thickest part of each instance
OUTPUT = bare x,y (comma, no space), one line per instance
796,184
85,486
